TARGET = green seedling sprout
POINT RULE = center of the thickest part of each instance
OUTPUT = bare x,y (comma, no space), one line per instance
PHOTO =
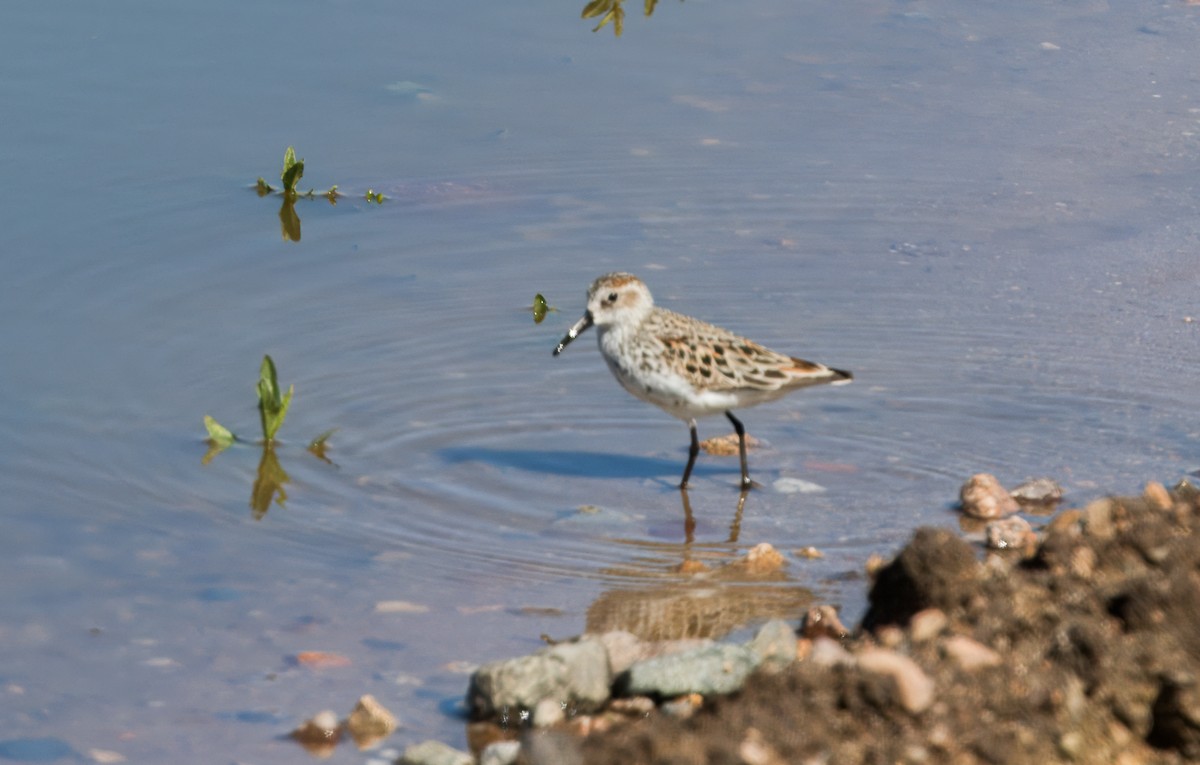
540,308
293,171
272,405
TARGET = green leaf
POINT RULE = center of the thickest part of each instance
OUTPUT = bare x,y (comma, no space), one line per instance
293,171
283,409
650,6
262,187
219,439
541,308
596,7
218,433
272,407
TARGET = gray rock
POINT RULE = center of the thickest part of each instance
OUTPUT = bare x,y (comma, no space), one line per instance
625,649
434,753
715,669
575,673
775,643
1038,491
500,753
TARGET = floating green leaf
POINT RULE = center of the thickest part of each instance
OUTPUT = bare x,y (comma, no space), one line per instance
272,405
262,187
219,439
374,196
650,6
218,433
293,171
541,308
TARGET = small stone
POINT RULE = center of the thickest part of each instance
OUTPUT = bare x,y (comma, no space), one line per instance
823,621
1098,518
715,669
320,733
889,636
683,707
1156,495
754,750
1083,562
434,753
914,689
761,559
727,445
369,722
809,552
775,642
586,725
970,654
689,567
875,563
1071,744
1038,491
1013,533
633,706
982,496
577,673
548,712
105,756
927,624
500,753
829,653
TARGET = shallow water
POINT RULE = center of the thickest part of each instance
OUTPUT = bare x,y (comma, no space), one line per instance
988,214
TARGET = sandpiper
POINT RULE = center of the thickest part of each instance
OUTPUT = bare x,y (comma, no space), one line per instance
685,366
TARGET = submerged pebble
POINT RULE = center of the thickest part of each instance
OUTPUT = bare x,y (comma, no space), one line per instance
1010,534
982,496
1043,491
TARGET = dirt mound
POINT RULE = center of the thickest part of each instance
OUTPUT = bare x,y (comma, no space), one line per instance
1085,650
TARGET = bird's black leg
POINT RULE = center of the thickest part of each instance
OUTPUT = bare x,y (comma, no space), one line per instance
741,432
693,450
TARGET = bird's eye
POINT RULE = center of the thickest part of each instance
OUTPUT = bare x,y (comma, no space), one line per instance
612,297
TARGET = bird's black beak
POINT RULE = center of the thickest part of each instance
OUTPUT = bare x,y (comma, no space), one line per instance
575,331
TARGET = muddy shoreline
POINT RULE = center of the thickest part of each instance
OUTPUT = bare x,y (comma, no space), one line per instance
1080,646
1083,647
